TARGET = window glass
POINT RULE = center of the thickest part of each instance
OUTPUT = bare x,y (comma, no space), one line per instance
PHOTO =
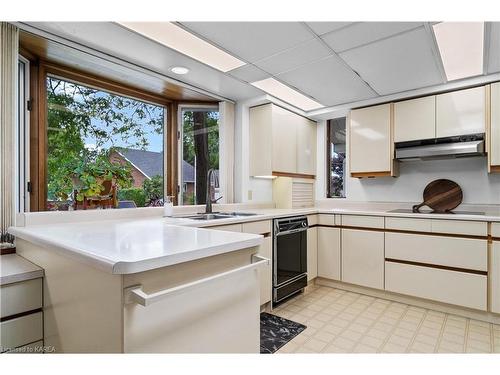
104,150
336,157
200,153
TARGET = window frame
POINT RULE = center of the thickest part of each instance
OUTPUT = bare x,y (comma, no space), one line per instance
22,138
329,162
180,136
40,70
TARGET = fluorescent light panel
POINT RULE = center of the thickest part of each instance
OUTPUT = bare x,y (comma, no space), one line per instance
184,42
287,94
461,45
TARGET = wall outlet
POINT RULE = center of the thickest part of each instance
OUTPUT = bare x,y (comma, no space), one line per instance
250,194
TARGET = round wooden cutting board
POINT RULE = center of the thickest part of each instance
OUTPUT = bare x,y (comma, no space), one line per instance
441,196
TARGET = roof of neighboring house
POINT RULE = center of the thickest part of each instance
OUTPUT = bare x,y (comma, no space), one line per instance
151,163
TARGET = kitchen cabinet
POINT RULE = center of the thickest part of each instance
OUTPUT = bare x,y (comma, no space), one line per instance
495,277
494,139
371,145
363,258
461,112
415,119
281,142
329,253
312,253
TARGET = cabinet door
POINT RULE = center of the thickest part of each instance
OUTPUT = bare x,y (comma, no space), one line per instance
265,275
460,112
415,119
370,140
363,258
495,277
260,140
312,253
306,146
495,126
329,253
284,139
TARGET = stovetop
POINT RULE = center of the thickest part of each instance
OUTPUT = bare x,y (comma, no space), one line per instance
409,211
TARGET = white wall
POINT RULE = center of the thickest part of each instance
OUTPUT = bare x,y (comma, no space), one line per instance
478,186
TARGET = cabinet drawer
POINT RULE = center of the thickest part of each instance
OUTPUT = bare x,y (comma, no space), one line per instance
21,331
312,220
326,219
457,288
495,230
257,227
20,297
36,347
464,253
363,221
469,228
229,228
404,223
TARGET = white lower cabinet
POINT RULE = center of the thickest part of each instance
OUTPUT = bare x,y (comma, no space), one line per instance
265,274
329,253
363,258
495,277
312,253
442,285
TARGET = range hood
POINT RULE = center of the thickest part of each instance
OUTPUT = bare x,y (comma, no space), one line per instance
441,148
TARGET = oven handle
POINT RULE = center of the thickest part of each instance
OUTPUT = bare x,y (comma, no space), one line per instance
291,231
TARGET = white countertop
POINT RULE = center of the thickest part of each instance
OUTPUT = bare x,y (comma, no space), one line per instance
14,268
130,246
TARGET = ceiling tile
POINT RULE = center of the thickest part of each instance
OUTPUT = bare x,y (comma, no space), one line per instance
494,48
252,41
362,33
325,27
329,81
302,54
249,73
400,63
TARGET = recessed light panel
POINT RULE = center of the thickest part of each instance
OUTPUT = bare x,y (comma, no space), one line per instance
461,47
184,42
287,94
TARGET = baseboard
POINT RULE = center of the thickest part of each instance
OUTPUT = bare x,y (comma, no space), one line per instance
414,301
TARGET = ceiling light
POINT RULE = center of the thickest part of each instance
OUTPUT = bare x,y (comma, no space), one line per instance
287,94
461,47
179,70
177,38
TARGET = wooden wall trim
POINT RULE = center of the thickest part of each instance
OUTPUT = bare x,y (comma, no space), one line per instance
293,175
371,174
438,266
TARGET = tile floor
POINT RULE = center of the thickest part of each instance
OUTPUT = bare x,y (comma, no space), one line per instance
339,321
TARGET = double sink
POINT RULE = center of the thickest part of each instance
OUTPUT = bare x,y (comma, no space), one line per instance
219,215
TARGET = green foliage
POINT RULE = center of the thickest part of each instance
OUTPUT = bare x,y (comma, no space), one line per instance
90,173
153,189
133,194
76,113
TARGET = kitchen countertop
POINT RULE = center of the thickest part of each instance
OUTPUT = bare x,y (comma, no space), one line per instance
14,268
130,246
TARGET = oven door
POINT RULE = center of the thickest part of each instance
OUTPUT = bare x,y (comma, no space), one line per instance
290,256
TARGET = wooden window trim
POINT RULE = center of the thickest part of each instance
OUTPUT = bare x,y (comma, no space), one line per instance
39,70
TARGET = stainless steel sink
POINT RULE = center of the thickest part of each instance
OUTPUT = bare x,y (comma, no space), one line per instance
219,215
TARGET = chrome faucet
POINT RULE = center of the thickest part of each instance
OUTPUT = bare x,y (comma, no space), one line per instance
209,201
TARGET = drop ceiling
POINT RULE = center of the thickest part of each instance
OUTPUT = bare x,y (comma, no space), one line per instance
333,63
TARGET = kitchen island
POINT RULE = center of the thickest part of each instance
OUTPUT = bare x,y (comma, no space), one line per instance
125,286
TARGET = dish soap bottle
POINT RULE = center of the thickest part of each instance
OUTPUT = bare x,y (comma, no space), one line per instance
168,206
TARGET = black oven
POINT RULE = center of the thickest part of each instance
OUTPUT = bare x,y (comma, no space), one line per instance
289,257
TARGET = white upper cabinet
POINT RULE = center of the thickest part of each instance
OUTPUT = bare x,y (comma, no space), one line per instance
281,141
461,112
495,128
415,119
371,143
